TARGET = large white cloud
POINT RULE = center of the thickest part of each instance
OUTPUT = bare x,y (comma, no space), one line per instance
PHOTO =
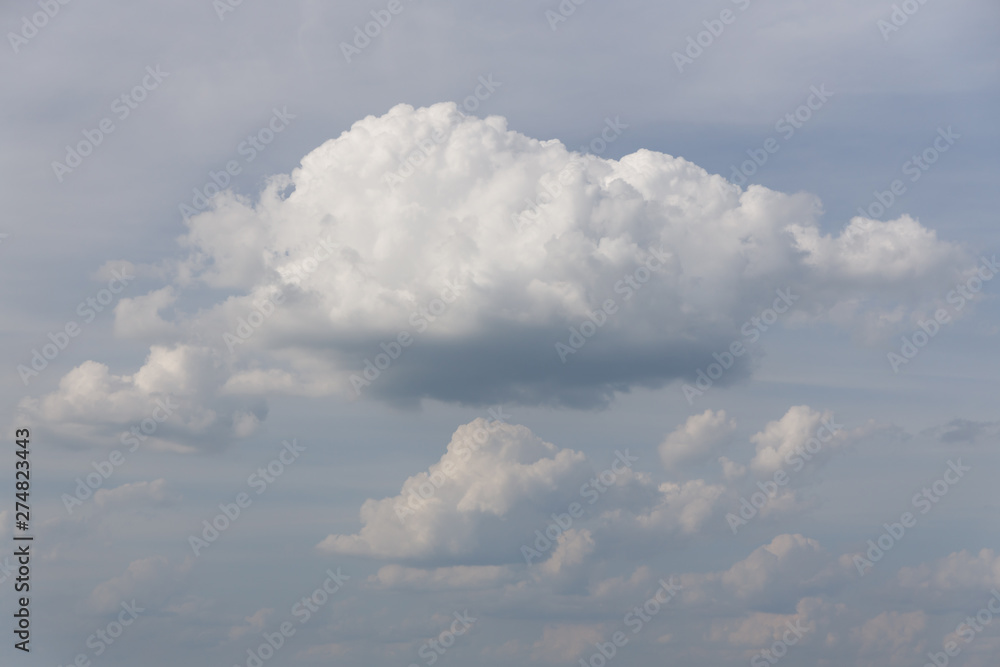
363,244
364,274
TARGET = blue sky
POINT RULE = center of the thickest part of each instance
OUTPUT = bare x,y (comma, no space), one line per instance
418,207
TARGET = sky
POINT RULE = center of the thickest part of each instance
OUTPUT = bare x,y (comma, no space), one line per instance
541,333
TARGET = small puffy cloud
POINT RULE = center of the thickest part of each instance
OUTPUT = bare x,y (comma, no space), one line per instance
775,574
497,484
696,439
802,435
172,402
683,507
964,430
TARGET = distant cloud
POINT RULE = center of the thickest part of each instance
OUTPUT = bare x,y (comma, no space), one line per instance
963,430
697,438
